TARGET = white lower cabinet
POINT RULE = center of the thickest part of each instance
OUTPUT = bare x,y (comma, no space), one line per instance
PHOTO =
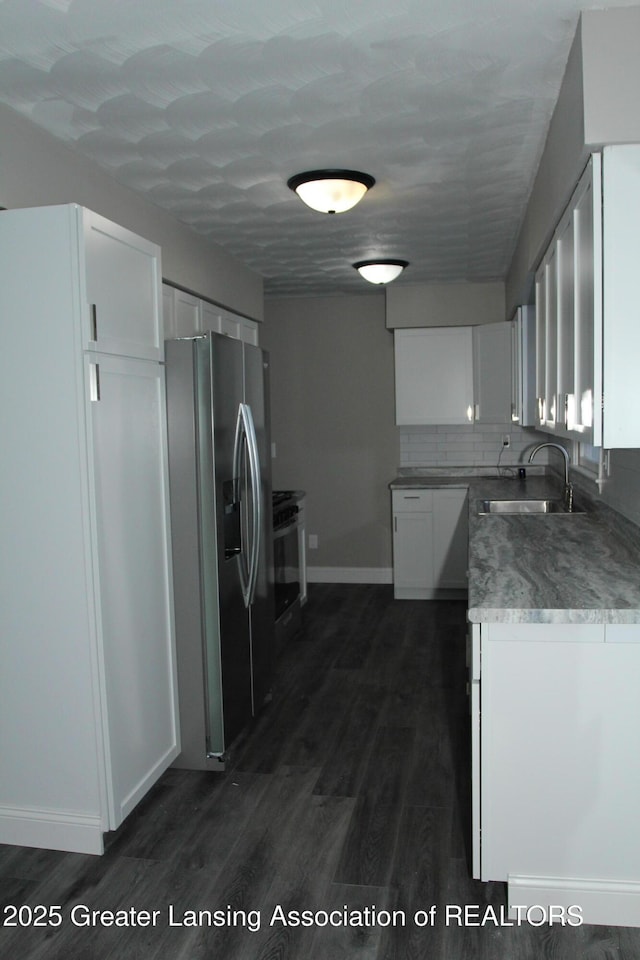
450,539
412,543
88,709
430,534
556,775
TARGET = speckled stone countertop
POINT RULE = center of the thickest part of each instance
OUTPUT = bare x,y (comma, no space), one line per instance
549,568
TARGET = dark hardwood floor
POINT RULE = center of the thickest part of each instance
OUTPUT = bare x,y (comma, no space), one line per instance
352,791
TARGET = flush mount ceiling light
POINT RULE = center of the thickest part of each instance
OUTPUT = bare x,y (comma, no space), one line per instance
380,271
331,191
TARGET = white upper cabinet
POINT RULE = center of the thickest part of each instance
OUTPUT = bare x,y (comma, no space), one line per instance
492,373
453,374
89,711
434,375
211,317
619,351
587,328
523,367
187,316
123,290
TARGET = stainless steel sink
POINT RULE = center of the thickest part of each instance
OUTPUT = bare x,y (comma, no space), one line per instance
537,507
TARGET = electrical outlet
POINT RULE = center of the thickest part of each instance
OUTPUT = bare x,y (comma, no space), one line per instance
506,440
313,541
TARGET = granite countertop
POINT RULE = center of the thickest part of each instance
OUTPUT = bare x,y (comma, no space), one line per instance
581,568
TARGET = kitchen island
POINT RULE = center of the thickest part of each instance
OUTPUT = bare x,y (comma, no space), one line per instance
554,661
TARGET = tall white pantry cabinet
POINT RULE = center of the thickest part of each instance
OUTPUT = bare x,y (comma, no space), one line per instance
88,702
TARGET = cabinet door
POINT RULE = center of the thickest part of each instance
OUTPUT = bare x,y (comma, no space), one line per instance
239,328
187,314
123,290
434,375
547,341
492,373
133,574
556,716
523,367
249,331
588,303
516,371
569,317
541,346
412,555
476,768
551,340
211,319
450,539
621,324
565,410
168,312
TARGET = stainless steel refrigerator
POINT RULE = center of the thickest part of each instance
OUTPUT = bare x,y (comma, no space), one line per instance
220,487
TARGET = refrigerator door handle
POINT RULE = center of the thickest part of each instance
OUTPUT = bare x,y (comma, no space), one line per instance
246,435
256,500
238,448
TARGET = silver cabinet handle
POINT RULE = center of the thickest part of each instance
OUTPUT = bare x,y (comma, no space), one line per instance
94,382
94,322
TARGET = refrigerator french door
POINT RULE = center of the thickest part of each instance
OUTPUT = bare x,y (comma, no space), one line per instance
220,485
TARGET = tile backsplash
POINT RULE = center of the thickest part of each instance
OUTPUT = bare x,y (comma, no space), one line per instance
468,445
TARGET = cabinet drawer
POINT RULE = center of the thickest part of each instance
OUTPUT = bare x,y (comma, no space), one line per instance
412,501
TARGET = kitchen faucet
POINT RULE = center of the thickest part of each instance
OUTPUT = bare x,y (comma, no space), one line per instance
568,488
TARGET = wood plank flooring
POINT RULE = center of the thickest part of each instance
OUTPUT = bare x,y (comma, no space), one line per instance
351,792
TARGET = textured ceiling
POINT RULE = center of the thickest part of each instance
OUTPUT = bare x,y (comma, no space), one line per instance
207,107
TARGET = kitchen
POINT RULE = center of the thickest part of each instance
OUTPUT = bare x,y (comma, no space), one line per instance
343,334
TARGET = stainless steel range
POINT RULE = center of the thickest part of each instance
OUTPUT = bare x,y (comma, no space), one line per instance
289,567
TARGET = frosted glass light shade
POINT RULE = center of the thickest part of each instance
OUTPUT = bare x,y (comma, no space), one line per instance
331,191
380,271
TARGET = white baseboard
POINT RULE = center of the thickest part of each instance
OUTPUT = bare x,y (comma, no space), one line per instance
610,902
349,574
51,829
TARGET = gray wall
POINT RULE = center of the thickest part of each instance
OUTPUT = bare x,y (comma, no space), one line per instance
611,64
444,304
560,166
36,169
597,104
333,421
